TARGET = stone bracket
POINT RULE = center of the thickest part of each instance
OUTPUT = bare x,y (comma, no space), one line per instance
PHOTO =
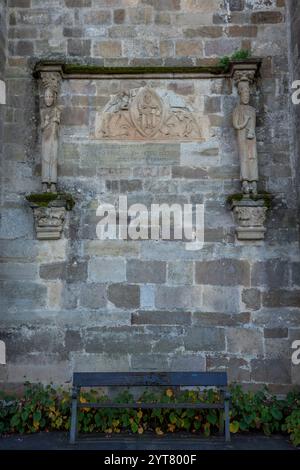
249,216
49,216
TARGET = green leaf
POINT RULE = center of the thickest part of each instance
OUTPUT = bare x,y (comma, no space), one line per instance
234,427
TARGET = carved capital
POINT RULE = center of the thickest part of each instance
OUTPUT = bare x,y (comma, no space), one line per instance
249,216
49,222
244,71
51,80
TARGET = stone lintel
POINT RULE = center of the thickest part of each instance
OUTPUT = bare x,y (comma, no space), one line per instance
101,72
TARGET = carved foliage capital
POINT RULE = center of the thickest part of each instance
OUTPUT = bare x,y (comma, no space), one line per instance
51,80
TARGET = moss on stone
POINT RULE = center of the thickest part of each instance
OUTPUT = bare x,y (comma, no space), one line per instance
129,70
264,196
44,199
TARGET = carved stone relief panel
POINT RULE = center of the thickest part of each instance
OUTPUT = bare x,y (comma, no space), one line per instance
150,114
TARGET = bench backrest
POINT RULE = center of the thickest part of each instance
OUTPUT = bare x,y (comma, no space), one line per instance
136,379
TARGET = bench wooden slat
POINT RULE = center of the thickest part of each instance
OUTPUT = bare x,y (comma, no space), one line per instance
140,379
152,405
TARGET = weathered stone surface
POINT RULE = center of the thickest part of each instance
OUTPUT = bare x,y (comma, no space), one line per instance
272,273
18,271
107,270
244,341
161,318
205,339
217,319
124,296
147,297
80,303
271,371
92,296
281,298
153,272
224,272
178,297
221,299
21,295
251,298
275,332
115,340
180,273
238,369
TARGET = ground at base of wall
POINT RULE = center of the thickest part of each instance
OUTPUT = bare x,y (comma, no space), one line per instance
59,441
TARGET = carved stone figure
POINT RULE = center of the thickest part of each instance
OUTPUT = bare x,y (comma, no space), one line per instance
244,121
143,114
50,120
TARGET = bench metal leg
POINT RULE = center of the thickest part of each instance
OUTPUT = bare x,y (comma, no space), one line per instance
221,422
73,428
227,420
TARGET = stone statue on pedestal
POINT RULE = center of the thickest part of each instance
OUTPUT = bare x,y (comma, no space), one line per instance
50,120
244,121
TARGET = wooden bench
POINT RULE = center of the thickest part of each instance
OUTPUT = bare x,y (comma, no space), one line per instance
146,379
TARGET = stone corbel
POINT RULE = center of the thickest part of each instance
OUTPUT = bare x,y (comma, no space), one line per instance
249,216
49,211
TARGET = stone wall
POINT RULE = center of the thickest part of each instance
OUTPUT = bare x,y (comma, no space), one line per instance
84,304
294,29
3,48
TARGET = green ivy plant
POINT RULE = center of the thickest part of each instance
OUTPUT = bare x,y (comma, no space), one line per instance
242,54
48,409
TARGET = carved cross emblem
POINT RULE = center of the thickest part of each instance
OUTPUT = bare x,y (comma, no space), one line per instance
147,112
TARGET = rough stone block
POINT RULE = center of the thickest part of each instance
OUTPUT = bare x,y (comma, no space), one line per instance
124,296
265,17
121,340
53,271
221,299
276,332
271,371
238,369
163,4
22,295
271,273
220,319
149,362
16,223
281,298
252,298
224,272
205,339
295,274
119,16
153,272
107,270
244,341
147,297
18,271
161,318
110,248
174,298
92,296
107,49
187,361
79,47
97,17
73,341
180,273
188,48
78,3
